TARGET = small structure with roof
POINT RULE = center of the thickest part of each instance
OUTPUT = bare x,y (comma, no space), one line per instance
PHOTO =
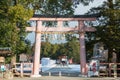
4,51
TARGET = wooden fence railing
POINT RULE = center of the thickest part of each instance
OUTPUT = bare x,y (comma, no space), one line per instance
21,67
107,70
110,70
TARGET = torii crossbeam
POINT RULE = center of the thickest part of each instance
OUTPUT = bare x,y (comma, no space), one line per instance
81,28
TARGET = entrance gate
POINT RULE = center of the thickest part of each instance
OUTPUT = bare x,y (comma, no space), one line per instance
81,29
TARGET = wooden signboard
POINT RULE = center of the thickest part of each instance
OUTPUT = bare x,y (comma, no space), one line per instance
23,57
2,59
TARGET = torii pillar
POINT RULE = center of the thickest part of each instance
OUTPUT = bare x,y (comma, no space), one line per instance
36,64
82,48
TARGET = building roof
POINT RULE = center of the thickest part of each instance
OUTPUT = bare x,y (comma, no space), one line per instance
5,51
66,16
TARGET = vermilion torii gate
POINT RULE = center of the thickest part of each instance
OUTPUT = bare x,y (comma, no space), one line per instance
81,29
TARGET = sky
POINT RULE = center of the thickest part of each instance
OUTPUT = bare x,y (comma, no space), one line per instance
80,10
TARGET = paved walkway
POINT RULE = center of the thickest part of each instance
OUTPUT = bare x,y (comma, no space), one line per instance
60,78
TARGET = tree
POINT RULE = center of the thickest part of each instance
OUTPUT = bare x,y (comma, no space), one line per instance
19,16
57,7
45,49
13,21
108,29
70,49
73,49
54,50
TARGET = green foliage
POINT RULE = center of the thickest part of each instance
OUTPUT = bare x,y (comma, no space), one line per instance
73,49
13,21
57,7
28,48
108,29
54,50
46,49
8,35
54,7
18,13
70,49
4,6
19,16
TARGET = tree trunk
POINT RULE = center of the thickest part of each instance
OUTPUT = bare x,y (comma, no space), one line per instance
109,55
13,60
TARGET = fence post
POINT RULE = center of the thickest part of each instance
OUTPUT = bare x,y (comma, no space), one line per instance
115,70
59,73
49,73
21,69
109,69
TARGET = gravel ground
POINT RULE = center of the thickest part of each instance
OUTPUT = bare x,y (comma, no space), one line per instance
60,78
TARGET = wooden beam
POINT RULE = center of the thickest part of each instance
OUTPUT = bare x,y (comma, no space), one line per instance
62,29
62,19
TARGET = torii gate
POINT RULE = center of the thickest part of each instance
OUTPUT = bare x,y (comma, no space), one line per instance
81,28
